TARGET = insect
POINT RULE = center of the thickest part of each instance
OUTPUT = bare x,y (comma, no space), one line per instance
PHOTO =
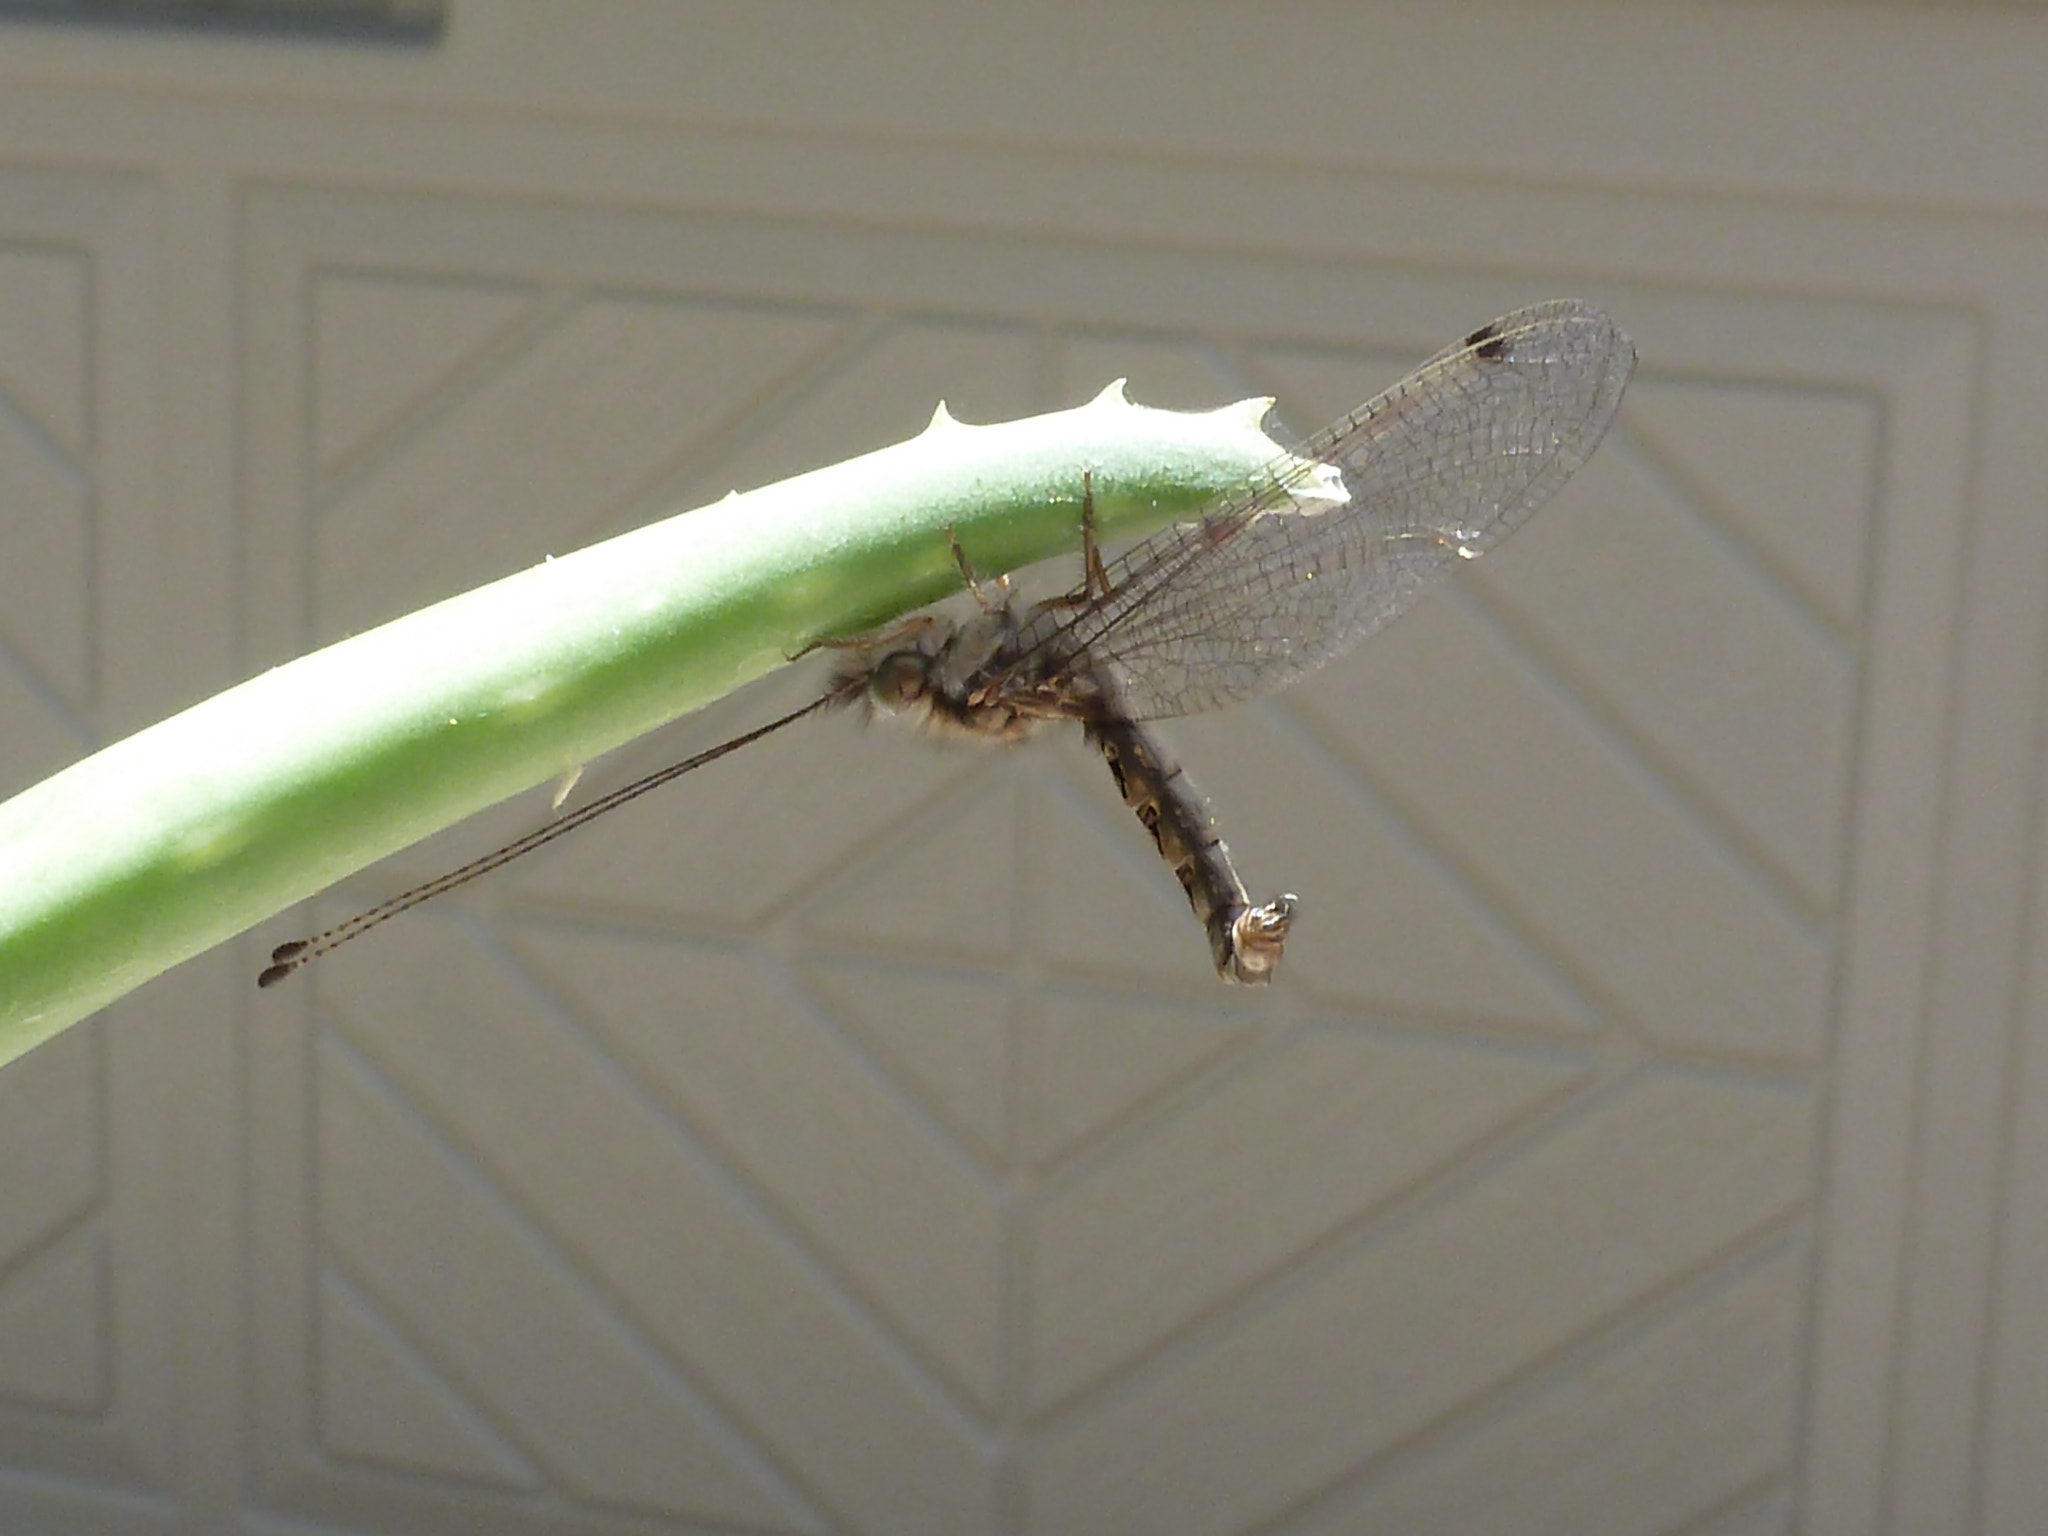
1266,585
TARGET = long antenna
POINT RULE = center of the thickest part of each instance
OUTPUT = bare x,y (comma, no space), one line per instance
294,953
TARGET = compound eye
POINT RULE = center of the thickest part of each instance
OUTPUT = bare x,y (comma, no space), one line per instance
897,682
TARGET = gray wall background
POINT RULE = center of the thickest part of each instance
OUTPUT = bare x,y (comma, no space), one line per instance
1649,1133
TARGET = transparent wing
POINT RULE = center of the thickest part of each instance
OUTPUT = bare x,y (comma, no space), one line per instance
1265,587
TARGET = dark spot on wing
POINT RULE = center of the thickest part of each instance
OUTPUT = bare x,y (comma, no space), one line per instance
1488,342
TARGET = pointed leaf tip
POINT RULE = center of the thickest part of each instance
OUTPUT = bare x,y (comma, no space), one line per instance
1250,413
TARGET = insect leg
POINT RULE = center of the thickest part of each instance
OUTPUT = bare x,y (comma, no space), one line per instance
902,629
974,582
1094,577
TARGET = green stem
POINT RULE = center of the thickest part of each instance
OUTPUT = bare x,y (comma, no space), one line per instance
186,833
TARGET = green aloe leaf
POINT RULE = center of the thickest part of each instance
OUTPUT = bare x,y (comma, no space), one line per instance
186,833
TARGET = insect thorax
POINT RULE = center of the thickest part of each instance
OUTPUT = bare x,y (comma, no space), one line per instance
971,678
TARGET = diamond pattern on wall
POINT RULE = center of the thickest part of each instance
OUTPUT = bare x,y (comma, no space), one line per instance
390,1408
54,1302
1790,471
664,1237
1103,1059
1666,1177
583,410
1646,905
89,1262
1585,1445
942,1038
396,352
47,478
495,1349
1726,627
45,361
1298,1143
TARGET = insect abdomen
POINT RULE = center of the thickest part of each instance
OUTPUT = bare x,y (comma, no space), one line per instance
1245,941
